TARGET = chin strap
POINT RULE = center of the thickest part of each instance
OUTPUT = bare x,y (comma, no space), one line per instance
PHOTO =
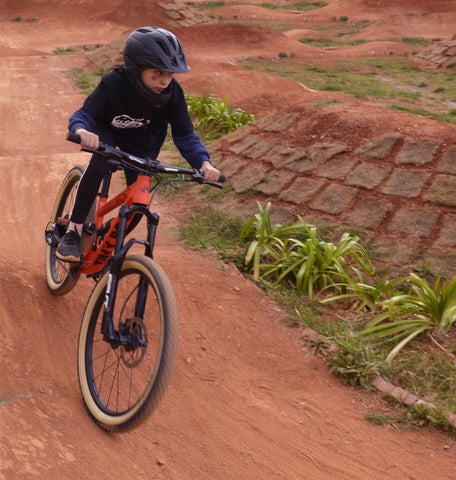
157,100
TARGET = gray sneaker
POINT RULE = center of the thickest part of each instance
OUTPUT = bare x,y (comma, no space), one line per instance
69,249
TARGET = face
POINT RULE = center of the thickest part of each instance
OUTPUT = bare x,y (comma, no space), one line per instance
155,79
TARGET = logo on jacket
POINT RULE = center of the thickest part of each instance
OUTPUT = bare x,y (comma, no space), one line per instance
125,121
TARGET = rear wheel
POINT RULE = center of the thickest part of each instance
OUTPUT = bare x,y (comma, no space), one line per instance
61,276
123,381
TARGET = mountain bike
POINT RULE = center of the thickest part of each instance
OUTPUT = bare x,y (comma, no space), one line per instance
129,331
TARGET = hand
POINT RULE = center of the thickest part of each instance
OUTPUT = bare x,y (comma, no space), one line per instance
88,139
211,174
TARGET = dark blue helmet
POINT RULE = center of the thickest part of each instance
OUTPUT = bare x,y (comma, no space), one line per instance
154,47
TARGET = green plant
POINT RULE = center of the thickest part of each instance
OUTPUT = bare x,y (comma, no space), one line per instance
429,415
65,51
422,309
364,295
327,42
216,116
265,238
6,399
295,254
298,7
415,41
206,5
85,81
377,418
356,364
316,264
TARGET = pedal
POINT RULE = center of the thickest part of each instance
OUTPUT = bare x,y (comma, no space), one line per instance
50,238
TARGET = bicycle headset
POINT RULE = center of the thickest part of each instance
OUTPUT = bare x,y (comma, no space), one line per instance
157,48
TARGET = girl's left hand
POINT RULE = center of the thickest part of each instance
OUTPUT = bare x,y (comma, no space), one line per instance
211,174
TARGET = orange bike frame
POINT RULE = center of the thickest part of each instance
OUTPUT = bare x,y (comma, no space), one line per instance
136,194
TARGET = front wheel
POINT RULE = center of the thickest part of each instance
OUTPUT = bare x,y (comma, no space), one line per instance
123,382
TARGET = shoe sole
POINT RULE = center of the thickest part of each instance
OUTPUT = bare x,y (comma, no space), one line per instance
68,258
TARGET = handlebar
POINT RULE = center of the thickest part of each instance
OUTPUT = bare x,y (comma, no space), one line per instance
117,159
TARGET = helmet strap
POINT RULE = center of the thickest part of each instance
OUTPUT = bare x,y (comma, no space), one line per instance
157,100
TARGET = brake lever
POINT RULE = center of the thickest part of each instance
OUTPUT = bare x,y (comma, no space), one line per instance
198,176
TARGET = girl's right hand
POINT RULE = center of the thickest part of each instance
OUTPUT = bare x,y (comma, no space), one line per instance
88,139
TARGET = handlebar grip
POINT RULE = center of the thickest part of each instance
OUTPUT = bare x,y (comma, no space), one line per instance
72,137
222,178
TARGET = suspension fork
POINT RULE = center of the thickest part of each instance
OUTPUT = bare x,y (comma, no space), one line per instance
107,326
108,329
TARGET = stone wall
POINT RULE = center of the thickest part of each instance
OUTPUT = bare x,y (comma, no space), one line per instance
395,191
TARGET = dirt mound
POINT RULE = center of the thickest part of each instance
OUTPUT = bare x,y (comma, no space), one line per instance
427,26
441,55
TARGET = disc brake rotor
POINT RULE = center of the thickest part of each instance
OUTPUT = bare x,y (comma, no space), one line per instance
133,353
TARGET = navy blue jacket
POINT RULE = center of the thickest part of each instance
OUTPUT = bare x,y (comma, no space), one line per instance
136,125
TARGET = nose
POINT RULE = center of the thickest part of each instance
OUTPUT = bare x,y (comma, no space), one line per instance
165,79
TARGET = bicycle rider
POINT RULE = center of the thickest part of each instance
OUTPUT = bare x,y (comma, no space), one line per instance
131,108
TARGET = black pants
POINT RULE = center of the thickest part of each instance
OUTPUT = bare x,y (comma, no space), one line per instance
91,180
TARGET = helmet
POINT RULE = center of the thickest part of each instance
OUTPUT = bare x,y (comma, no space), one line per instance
154,47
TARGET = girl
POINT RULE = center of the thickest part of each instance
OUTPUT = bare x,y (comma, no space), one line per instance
131,109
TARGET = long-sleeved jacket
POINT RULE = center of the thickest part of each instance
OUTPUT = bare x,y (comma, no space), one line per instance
137,126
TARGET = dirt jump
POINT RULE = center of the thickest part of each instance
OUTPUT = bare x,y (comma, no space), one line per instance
246,401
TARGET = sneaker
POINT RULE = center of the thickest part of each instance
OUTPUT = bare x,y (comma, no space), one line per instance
69,249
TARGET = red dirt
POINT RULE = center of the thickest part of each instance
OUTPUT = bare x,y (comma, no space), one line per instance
246,401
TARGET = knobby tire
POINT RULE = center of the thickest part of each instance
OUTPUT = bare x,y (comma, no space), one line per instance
122,385
60,276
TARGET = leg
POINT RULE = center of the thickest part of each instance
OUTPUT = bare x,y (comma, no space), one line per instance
69,249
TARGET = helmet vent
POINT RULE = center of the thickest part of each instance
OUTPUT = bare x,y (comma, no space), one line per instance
164,47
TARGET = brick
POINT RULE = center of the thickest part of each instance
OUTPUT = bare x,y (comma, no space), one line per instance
258,149
417,153
338,167
301,165
249,178
240,134
448,162
301,191
367,176
405,183
173,14
443,190
335,199
289,159
447,237
378,148
280,122
229,165
369,213
244,144
274,182
322,152
416,223
277,154
265,121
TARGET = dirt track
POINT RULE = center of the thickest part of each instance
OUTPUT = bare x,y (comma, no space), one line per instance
246,401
